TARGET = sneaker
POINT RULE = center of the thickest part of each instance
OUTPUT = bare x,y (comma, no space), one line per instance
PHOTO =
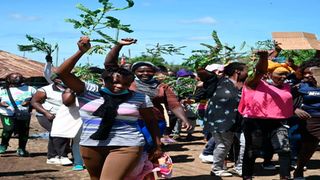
65,161
268,166
3,149
206,158
77,168
236,172
22,152
167,140
55,160
221,173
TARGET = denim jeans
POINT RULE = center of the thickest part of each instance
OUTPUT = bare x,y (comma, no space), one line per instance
208,150
223,144
77,159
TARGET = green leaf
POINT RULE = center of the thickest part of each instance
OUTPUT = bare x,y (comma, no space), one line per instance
130,4
83,8
107,37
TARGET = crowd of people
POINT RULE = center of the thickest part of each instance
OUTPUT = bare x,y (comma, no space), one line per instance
117,128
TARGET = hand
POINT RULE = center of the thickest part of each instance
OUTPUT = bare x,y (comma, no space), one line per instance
50,116
4,104
49,58
127,41
84,44
187,101
261,53
186,125
277,46
302,114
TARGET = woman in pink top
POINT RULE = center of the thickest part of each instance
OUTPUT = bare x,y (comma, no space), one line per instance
265,106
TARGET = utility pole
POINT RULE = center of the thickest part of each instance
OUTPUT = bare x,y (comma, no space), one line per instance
57,56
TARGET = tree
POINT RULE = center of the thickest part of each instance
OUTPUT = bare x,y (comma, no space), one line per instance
39,45
155,53
85,74
93,22
159,50
214,54
298,56
154,60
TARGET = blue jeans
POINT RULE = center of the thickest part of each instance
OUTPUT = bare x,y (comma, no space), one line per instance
77,159
208,150
223,141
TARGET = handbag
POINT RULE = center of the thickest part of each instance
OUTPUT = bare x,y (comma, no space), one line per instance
18,114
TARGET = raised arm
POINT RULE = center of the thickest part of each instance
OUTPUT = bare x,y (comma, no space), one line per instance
47,72
111,59
64,70
260,70
275,52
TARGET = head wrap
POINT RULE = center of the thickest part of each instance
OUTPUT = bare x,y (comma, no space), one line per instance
278,67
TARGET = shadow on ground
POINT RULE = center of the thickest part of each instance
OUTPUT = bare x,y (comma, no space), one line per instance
181,146
182,158
20,173
200,177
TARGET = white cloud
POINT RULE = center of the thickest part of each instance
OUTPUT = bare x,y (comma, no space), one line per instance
20,17
203,20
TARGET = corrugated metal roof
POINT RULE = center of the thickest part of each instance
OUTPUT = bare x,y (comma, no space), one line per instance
10,63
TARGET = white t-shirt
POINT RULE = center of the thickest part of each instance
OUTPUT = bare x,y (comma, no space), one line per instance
53,101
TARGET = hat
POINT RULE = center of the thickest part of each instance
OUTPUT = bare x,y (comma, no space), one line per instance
138,64
184,73
214,67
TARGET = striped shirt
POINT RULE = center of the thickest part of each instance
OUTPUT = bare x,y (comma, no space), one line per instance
125,130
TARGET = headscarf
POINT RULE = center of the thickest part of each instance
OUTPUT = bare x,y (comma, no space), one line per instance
278,67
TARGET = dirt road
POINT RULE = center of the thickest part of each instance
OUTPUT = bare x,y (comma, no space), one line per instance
184,154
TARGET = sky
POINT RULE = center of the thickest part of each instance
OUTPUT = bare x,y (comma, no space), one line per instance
178,22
